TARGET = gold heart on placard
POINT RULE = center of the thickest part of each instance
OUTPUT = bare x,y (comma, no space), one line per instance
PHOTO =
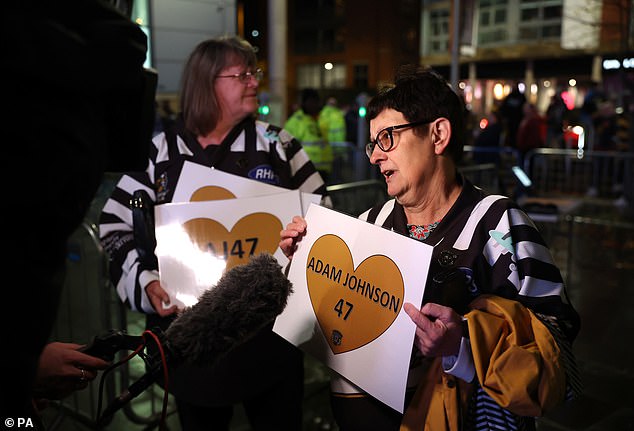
353,306
252,234
211,193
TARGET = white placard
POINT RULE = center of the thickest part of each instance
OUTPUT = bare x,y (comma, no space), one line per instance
196,178
198,241
350,281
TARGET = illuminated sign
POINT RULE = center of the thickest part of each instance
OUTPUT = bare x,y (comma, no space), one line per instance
615,64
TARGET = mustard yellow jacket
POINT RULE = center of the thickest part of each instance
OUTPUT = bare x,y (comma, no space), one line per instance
517,363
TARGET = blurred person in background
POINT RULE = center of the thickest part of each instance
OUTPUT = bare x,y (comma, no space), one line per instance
331,121
332,125
352,122
531,133
512,112
556,115
490,139
304,126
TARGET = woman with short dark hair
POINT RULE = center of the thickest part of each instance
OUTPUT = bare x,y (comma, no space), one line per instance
493,334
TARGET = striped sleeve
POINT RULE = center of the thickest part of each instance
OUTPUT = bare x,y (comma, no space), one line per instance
517,251
127,273
513,248
536,275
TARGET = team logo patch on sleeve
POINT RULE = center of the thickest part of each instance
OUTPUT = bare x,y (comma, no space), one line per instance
264,173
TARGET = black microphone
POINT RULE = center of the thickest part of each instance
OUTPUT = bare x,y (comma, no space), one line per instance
245,299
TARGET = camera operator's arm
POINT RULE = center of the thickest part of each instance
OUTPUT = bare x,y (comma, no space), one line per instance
63,369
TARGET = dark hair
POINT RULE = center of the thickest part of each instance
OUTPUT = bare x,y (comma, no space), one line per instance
309,94
310,101
420,93
198,101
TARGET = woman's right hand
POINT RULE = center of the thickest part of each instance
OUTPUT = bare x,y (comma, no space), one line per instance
290,236
158,296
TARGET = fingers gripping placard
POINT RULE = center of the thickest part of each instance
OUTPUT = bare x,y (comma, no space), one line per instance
343,296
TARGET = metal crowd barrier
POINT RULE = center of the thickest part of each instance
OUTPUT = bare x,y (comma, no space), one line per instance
505,161
593,237
355,197
485,175
570,172
351,164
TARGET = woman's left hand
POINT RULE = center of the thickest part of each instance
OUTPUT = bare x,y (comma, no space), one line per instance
438,329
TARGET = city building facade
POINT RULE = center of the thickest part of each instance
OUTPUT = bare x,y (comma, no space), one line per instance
349,48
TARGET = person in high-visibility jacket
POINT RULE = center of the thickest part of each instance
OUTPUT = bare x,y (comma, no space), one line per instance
303,125
332,122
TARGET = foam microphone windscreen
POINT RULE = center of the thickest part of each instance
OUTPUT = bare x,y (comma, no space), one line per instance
245,299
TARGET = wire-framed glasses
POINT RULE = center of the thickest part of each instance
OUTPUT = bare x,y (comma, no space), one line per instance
245,77
385,138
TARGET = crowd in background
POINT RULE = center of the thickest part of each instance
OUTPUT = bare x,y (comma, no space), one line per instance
517,123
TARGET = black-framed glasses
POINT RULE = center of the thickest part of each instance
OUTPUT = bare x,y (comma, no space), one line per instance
385,139
245,77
